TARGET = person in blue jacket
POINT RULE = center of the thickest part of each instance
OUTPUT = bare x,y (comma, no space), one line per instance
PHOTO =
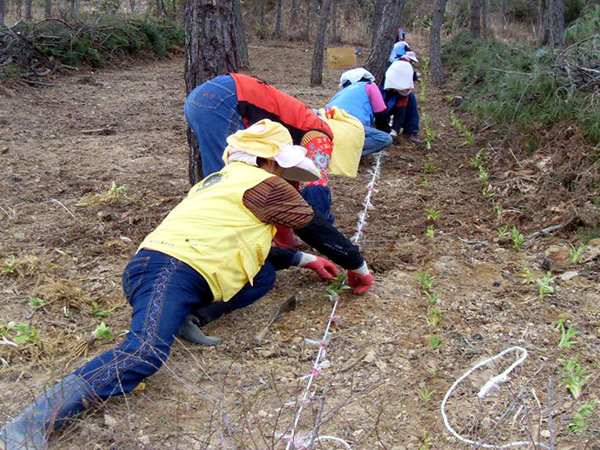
360,97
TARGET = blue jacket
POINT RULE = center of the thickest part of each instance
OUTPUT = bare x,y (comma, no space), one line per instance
355,101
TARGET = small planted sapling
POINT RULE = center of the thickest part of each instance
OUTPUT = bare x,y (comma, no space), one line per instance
425,394
435,341
575,377
566,334
103,331
575,253
432,213
430,231
434,318
426,280
544,284
517,238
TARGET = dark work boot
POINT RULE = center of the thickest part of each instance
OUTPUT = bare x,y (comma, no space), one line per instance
190,331
30,429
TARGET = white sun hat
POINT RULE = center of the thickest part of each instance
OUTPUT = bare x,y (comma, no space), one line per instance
271,140
411,55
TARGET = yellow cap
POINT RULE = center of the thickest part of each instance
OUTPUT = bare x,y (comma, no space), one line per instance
263,139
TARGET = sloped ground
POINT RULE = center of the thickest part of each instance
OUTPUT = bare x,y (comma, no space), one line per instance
65,240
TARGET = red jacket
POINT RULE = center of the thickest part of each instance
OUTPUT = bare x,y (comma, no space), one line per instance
258,100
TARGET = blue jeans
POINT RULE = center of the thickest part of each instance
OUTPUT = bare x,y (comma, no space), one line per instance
319,197
262,283
407,117
162,291
211,111
375,141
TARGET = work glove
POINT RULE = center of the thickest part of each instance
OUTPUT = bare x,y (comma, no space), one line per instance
324,268
360,279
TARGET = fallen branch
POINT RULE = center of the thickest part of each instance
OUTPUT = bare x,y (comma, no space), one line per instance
546,231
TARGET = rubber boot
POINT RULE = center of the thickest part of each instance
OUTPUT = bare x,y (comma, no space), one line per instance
191,332
30,429
285,238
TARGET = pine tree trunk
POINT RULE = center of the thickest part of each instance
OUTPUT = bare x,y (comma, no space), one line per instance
485,19
316,74
28,15
240,34
19,9
556,23
385,37
294,14
377,14
132,5
334,21
48,9
435,52
2,12
307,21
210,50
476,18
277,32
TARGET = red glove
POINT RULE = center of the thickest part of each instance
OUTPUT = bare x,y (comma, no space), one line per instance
360,283
324,268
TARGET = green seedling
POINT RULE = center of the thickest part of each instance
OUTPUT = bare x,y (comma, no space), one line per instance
527,275
9,265
487,191
484,176
435,341
479,159
426,280
429,167
36,302
432,297
464,130
575,253
503,231
337,285
544,284
26,333
425,181
434,317
498,210
575,377
97,312
103,331
517,238
425,394
432,371
433,214
566,334
430,135
584,419
430,231
426,442
117,191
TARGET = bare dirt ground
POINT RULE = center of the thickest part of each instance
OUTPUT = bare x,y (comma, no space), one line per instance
393,353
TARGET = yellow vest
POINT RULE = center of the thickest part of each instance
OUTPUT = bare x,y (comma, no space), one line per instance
348,142
212,231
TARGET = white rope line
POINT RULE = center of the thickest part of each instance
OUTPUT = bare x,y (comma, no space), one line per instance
487,387
294,442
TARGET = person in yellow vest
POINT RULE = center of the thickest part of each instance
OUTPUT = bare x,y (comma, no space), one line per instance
212,247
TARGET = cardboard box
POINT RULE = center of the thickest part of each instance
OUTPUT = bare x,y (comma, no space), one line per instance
341,58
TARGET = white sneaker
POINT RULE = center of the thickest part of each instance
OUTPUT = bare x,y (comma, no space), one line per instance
393,133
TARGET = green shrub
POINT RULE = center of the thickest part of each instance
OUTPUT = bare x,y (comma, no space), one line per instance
522,87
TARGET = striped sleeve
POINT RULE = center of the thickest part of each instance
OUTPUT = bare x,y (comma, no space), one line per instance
276,202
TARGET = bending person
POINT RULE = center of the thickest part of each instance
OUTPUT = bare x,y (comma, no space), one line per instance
199,254
227,103
360,97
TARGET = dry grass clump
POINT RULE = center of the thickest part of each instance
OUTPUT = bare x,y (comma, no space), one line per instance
25,266
63,292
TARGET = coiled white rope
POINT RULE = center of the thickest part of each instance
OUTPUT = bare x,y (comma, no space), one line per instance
295,442
487,387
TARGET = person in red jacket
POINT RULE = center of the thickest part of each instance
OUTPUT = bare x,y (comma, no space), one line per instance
227,103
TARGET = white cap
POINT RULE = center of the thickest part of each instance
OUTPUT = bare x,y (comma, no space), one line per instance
410,55
297,166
